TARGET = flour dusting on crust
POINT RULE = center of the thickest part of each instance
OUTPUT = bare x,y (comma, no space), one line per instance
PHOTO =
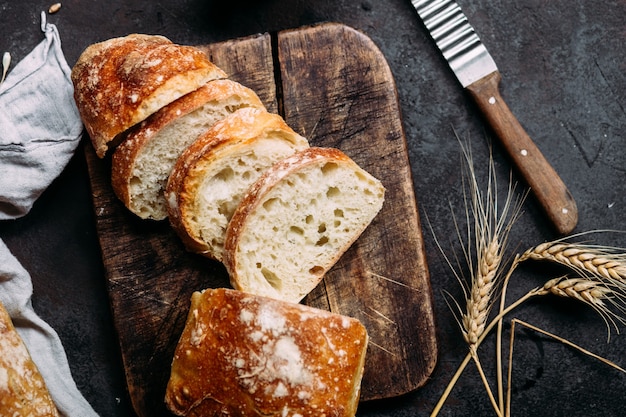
242,354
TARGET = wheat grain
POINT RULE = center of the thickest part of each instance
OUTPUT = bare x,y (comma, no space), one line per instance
54,8
6,62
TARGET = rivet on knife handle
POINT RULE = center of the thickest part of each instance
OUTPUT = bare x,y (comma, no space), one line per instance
477,72
543,180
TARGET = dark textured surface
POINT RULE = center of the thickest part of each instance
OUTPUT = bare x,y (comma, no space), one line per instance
563,72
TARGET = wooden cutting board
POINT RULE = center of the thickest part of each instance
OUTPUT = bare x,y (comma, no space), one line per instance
332,85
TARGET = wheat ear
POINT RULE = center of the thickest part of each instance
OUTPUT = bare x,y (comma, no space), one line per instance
483,285
582,289
602,284
486,240
492,223
604,263
607,299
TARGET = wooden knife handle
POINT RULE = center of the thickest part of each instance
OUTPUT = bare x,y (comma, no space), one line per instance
543,180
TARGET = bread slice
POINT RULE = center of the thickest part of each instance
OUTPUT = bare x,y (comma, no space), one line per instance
23,391
246,355
142,163
121,81
213,173
297,220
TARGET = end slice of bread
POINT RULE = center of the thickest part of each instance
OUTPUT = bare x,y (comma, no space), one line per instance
297,220
121,81
142,163
213,173
246,355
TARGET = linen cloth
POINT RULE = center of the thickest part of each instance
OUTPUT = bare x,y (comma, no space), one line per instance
39,131
39,125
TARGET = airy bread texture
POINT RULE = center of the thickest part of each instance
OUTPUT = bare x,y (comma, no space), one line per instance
121,81
23,391
246,355
142,163
297,220
213,173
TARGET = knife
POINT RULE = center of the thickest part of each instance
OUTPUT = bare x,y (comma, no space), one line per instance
477,72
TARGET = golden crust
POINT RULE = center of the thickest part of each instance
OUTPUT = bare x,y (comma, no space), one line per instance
242,354
23,391
239,128
122,163
121,81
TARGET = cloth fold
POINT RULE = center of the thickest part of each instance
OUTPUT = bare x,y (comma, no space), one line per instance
39,131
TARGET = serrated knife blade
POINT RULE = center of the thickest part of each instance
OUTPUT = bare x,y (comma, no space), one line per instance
478,74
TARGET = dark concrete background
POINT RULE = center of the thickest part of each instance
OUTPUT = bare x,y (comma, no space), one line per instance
563,67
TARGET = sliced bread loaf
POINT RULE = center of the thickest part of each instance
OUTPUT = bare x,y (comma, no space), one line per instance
297,220
142,163
121,81
213,173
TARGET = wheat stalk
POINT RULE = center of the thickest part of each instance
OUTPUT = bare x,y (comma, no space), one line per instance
601,285
491,227
597,294
483,248
479,302
553,336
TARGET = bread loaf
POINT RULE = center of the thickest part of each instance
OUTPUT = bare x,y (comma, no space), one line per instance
121,81
245,355
297,220
142,163
23,391
213,173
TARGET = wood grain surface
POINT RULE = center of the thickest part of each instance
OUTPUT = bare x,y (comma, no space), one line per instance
332,84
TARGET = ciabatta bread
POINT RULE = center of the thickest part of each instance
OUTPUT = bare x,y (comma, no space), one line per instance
213,173
142,163
121,81
297,220
246,355
23,391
